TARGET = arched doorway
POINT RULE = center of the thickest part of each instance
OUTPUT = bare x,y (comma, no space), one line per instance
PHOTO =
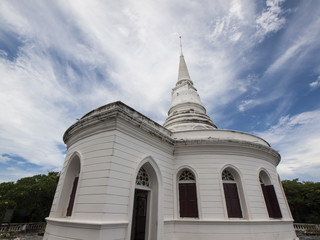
70,180
145,207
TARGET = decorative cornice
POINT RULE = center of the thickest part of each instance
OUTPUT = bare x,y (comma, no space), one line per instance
231,143
114,110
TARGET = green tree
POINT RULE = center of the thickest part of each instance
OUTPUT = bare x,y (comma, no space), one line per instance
31,196
304,200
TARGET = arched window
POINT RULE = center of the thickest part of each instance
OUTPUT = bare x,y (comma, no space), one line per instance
70,180
73,171
231,195
270,196
188,203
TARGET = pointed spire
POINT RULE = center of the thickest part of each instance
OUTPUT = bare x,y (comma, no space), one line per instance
183,70
186,112
181,54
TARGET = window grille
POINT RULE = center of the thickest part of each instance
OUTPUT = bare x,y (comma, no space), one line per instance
186,175
227,176
143,178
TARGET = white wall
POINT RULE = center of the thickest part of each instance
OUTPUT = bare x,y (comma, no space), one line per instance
208,164
109,161
218,230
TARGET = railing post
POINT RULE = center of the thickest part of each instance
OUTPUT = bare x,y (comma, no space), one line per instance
22,227
307,229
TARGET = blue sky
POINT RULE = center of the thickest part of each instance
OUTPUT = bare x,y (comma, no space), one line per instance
255,65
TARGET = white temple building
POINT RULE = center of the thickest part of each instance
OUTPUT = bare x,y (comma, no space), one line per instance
127,177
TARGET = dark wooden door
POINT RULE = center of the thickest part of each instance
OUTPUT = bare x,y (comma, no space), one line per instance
139,216
232,200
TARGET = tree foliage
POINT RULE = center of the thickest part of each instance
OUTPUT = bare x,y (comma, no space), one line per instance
304,200
31,197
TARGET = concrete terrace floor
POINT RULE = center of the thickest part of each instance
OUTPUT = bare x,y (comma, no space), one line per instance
314,237
36,236
24,236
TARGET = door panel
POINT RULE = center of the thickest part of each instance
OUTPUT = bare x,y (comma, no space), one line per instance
72,196
139,216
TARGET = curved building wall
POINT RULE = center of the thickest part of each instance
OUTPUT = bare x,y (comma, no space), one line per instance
208,163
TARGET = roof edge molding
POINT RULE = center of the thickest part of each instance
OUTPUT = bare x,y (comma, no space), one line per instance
112,111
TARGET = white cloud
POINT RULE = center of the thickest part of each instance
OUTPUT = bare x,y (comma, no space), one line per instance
4,159
244,104
3,53
75,56
314,85
297,44
271,19
240,22
297,139
52,80
12,173
227,26
289,52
